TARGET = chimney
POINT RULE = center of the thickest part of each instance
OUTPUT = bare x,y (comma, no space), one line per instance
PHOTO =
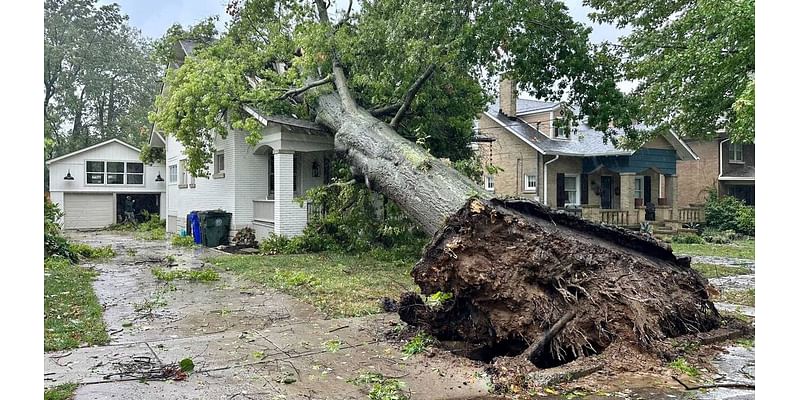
508,97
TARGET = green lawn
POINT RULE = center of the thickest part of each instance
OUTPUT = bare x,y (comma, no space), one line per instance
339,285
61,392
718,271
72,315
746,297
739,249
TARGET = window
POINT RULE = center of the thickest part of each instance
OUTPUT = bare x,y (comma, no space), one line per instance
571,187
134,173
219,163
114,173
489,182
638,185
735,153
184,176
173,174
530,183
560,129
95,172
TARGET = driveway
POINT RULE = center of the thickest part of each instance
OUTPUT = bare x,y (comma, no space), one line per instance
246,341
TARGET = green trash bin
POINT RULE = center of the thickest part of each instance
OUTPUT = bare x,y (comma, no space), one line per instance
215,226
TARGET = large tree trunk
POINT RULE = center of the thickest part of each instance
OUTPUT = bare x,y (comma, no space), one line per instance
423,186
514,267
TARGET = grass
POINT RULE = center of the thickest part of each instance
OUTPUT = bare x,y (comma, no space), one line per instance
680,364
382,388
338,284
72,314
746,342
739,249
182,241
746,297
418,344
61,392
92,253
718,271
191,275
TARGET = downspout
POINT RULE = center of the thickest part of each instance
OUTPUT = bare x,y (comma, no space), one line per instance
720,161
545,178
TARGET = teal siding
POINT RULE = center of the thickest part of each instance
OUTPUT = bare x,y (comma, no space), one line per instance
662,160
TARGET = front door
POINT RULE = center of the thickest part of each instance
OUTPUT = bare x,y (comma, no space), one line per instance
606,191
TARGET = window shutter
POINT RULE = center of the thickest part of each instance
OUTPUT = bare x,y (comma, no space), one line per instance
584,189
561,194
646,188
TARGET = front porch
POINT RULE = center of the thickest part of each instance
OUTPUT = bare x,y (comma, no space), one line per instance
298,158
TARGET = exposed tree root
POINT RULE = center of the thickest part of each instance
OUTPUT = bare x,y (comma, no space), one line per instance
517,271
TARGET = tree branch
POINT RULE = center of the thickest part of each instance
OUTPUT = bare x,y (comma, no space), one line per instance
535,350
410,95
341,86
385,110
310,85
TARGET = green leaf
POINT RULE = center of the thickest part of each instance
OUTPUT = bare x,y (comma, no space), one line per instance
187,365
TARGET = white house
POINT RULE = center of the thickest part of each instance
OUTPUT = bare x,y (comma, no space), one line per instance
258,184
90,185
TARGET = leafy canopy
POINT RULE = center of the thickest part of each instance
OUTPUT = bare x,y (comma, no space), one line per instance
383,48
693,60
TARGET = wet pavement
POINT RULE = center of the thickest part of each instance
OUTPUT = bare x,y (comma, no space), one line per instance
251,342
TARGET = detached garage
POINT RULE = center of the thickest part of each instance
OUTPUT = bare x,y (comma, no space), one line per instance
95,185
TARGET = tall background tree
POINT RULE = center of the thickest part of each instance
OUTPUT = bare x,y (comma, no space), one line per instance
693,62
100,77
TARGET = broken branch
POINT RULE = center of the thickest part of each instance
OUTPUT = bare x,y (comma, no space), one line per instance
732,385
409,97
385,110
310,85
535,350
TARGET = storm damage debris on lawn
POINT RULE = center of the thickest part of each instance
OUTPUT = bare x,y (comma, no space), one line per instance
553,288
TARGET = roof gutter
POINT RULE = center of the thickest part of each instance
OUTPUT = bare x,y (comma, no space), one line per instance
545,178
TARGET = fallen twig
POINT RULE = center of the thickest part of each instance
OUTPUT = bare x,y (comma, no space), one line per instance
731,385
338,329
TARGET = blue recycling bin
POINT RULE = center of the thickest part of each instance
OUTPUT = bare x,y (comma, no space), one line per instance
194,227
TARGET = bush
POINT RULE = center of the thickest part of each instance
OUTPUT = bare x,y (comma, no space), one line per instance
279,244
54,243
153,228
720,237
689,238
729,213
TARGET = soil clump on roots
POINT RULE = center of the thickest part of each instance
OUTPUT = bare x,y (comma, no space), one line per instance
534,289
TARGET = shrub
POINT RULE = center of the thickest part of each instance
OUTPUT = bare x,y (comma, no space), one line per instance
729,213
245,237
153,228
688,238
182,241
54,243
279,244
720,237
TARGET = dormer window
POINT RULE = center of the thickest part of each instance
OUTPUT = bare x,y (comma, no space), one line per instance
560,129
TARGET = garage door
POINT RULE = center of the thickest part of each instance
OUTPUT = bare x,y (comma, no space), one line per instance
88,210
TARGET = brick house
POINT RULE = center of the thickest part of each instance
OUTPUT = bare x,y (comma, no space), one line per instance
573,168
729,168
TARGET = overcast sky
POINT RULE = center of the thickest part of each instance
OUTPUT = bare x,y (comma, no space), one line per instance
153,17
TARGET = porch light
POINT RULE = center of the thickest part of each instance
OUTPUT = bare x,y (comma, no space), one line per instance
69,177
315,169
159,178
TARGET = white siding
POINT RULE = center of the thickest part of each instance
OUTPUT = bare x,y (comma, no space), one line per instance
88,210
249,173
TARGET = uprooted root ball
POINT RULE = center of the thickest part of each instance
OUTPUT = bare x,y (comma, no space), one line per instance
515,269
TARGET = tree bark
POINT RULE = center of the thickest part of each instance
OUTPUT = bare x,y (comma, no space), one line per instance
426,189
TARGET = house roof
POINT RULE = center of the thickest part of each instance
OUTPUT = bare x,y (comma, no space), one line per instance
265,119
107,142
585,141
525,106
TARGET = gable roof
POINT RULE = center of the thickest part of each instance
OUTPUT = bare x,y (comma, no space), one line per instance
585,141
107,142
265,119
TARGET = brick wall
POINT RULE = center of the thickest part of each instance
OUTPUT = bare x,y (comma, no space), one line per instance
696,176
515,157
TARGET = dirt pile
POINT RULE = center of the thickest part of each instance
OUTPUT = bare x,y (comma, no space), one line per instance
529,282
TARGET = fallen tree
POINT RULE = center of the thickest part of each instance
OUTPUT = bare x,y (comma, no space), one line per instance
522,276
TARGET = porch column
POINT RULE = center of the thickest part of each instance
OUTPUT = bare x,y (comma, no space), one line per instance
626,185
671,187
287,212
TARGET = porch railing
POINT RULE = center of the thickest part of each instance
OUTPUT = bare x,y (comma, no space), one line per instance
691,214
615,217
264,210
